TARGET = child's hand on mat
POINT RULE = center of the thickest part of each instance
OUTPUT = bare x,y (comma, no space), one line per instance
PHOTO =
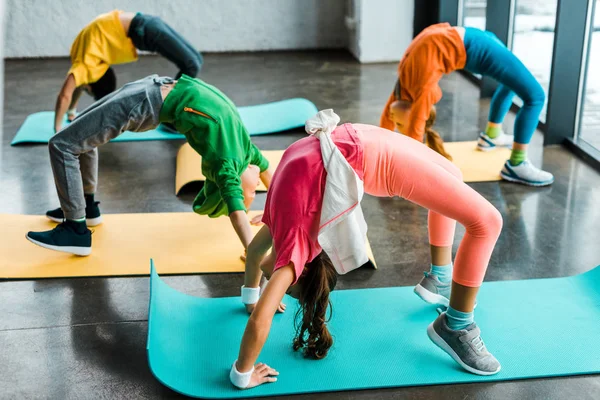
262,374
281,308
257,220
243,256
71,114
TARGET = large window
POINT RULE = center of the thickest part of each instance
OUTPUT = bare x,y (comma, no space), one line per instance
590,121
473,13
533,39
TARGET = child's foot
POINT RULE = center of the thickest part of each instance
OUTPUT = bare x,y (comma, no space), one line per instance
464,346
432,291
69,237
526,173
92,214
486,143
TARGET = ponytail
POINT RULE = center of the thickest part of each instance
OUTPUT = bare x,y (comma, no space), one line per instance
432,138
312,335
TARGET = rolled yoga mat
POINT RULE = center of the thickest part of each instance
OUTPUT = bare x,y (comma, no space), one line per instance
380,338
260,119
189,166
475,165
183,243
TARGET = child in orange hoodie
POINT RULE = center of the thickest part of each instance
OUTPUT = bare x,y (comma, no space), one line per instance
441,49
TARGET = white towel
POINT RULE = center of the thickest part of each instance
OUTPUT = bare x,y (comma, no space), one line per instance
342,229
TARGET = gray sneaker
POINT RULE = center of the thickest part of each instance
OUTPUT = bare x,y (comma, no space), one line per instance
464,346
432,291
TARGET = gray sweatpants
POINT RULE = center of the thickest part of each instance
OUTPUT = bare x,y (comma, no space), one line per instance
73,151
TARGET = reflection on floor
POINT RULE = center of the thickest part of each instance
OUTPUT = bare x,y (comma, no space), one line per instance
85,338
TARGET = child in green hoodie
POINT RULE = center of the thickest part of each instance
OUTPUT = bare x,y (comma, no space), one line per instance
231,163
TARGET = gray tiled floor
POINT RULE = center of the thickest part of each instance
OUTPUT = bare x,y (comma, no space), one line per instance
85,338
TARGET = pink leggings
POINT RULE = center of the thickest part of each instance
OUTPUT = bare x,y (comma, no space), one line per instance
396,165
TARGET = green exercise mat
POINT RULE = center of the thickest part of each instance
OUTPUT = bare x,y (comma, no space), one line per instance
260,119
380,338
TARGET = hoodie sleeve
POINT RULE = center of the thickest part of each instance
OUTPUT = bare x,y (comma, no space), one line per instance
229,183
257,158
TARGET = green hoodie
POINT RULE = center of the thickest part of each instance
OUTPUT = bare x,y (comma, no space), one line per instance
213,127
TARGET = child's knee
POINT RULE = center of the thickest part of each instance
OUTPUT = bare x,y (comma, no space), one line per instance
536,95
54,146
493,221
488,223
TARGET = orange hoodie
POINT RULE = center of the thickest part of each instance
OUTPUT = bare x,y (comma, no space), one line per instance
436,51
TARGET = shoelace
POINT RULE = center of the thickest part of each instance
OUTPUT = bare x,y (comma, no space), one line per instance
477,342
59,228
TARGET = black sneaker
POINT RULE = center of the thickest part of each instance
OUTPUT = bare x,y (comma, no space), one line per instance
92,214
69,237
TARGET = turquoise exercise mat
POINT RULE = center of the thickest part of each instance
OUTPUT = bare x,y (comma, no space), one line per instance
380,338
260,119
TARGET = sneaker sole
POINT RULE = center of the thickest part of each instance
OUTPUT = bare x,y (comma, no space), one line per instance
439,342
487,149
89,221
515,180
78,251
431,298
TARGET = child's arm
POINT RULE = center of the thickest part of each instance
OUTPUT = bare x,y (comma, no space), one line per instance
71,112
261,243
241,225
244,374
63,100
266,176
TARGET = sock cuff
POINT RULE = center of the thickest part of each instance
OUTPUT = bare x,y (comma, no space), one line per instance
458,314
493,131
442,266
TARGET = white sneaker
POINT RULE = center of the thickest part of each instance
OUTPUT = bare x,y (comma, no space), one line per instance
526,173
486,143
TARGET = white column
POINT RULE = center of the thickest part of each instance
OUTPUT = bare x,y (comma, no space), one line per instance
379,30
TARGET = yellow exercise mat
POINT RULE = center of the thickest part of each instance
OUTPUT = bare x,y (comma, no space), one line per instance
180,243
477,166
189,166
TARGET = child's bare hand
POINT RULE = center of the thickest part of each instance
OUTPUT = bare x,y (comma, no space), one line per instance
262,374
281,308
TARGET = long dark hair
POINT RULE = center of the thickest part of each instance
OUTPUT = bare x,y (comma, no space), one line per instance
432,138
317,281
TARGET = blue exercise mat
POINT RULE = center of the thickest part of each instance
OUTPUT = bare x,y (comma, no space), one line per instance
380,338
260,119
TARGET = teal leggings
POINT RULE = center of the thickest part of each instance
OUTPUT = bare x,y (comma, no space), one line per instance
488,56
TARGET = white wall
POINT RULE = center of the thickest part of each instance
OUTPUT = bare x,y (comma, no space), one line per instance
383,29
44,28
